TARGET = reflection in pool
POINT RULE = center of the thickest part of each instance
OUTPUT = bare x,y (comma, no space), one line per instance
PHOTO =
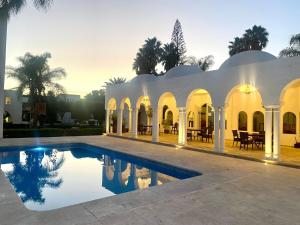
60,175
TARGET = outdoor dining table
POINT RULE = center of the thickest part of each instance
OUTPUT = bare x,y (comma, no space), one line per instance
194,130
148,128
257,139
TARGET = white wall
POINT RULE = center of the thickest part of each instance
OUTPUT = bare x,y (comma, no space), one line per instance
290,103
237,102
15,108
268,74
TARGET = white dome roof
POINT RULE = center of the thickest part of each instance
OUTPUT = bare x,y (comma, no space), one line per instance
247,57
183,70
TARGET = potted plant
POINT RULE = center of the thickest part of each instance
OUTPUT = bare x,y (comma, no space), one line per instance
167,124
149,113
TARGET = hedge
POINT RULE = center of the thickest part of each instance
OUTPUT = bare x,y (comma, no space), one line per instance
51,132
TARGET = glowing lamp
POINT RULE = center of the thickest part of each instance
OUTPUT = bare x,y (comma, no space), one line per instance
247,89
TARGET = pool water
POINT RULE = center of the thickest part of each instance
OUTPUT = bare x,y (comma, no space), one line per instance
55,176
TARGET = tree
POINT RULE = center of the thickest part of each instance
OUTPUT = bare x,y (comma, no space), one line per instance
148,57
35,76
236,46
178,40
293,49
115,80
169,57
204,63
95,102
253,39
8,8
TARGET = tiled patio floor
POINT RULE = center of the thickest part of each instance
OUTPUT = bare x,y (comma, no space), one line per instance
229,192
288,154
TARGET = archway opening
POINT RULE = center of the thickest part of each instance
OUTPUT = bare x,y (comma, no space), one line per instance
126,120
290,122
200,119
144,116
111,107
7,119
168,118
244,121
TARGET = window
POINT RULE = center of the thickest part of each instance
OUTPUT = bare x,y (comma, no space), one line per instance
165,108
258,121
206,116
289,123
242,120
7,100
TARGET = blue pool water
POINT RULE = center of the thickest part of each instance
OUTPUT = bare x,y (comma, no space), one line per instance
55,176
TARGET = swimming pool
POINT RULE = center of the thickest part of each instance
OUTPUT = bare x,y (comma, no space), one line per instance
54,176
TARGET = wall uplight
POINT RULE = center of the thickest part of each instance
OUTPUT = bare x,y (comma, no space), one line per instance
247,89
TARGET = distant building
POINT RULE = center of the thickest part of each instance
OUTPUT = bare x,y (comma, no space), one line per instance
13,107
69,98
17,109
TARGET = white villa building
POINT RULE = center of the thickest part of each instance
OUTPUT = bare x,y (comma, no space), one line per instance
252,91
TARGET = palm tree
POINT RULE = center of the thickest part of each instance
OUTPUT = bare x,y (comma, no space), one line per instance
115,80
148,57
8,8
293,49
255,38
236,46
204,63
169,57
35,76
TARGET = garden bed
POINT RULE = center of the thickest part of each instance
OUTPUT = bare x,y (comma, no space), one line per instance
51,132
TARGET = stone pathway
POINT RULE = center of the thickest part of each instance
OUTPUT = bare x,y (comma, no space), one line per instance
230,192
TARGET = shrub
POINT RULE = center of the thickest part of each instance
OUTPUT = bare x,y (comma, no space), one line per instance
51,132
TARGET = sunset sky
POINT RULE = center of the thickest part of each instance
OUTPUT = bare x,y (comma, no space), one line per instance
95,40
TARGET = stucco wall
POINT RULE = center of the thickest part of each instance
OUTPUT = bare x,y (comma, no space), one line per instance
15,108
269,75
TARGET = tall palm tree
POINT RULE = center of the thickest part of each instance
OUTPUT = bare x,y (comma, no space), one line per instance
35,76
255,38
169,57
115,80
293,49
8,8
148,57
236,46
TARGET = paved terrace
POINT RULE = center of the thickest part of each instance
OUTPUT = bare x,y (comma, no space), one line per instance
289,155
230,192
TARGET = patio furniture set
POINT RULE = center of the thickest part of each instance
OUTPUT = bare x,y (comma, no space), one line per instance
255,139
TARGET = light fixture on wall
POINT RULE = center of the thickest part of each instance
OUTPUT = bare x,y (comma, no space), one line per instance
146,100
247,89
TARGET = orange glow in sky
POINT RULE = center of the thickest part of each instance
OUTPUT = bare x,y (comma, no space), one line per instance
95,40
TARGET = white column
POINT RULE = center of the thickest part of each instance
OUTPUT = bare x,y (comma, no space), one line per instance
276,133
107,121
268,133
222,129
129,121
182,126
155,127
134,130
216,129
119,121
3,35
